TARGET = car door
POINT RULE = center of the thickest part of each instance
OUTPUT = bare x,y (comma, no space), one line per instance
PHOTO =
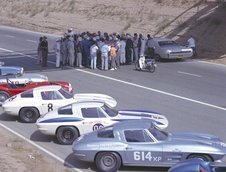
50,100
94,119
142,149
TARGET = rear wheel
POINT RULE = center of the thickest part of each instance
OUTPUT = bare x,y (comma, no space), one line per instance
206,158
29,114
108,161
66,135
137,66
3,96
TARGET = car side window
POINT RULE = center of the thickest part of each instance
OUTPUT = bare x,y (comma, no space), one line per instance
27,94
50,95
137,136
105,133
92,113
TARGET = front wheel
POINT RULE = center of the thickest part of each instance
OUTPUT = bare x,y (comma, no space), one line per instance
206,158
3,96
137,66
108,162
29,114
151,68
66,135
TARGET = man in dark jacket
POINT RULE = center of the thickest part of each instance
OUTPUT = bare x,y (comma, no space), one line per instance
129,50
44,50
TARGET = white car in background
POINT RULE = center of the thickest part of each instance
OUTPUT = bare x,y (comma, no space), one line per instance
10,70
29,105
24,78
69,122
16,75
165,48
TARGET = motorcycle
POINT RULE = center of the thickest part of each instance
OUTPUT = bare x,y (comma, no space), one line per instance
145,64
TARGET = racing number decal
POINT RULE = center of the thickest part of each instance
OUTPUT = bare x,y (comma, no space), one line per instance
50,107
143,156
97,126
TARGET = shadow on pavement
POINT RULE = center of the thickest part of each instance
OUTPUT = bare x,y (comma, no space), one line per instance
5,117
76,163
39,137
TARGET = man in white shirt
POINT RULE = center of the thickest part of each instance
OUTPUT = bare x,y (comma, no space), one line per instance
191,44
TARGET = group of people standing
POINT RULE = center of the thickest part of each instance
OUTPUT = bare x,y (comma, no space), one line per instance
96,50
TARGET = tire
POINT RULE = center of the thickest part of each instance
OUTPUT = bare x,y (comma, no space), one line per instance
66,135
151,68
108,162
29,114
137,66
3,96
206,158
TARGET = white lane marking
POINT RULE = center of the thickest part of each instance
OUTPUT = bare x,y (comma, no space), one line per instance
41,148
3,49
136,85
152,89
9,36
29,40
191,74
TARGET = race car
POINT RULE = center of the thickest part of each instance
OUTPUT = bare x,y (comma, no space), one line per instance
24,78
29,105
197,165
140,143
10,88
69,122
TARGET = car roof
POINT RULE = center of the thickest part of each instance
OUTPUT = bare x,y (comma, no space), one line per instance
47,88
134,124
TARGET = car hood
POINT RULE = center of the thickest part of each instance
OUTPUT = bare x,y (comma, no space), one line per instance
96,97
197,138
160,121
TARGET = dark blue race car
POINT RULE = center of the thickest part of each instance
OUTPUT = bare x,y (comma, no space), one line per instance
196,165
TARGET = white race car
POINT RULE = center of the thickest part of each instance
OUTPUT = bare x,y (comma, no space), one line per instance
69,122
29,105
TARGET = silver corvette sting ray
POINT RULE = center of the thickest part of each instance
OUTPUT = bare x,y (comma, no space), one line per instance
140,143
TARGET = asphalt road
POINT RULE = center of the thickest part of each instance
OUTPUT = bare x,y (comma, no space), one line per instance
191,94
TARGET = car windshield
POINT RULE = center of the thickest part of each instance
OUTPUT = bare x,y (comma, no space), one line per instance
66,94
166,43
159,135
111,112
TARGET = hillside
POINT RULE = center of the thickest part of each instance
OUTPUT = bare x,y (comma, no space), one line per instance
172,18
